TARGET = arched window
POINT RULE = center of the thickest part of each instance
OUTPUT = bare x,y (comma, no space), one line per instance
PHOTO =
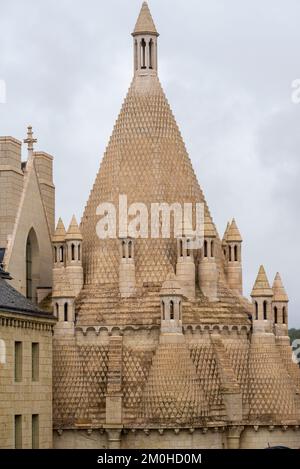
284,315
256,310
150,54
130,249
32,265
163,310
2,352
66,312
275,315
55,254
79,252
124,249
56,309
212,249
265,310
236,256
143,52
205,249
230,253
73,252
135,55
61,254
28,269
188,249
171,310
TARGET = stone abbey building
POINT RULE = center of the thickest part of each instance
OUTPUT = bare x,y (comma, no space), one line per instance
155,345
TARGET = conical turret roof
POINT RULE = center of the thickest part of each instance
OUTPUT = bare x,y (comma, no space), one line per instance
145,23
262,286
224,240
60,232
233,233
279,290
73,230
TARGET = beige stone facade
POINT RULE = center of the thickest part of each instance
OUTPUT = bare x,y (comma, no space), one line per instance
26,216
155,345
25,372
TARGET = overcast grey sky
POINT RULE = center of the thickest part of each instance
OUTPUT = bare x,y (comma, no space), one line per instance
226,67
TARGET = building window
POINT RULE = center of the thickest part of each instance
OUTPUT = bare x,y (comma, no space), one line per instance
163,310
35,358
130,249
18,431
66,312
188,249
28,270
256,310
143,51
2,352
55,254
56,309
212,247
283,315
18,361
236,257
230,254
171,310
61,254
205,249
150,53
73,252
35,431
135,55
124,249
265,310
275,315
79,252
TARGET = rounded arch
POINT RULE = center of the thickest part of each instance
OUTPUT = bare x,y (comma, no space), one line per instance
275,314
265,308
32,265
284,318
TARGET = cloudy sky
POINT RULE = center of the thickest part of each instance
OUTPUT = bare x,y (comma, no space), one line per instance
226,66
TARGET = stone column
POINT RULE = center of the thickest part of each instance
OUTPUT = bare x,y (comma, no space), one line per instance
233,437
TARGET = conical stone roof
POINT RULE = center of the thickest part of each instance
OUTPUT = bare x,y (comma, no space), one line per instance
233,234
262,286
60,232
145,23
147,161
279,290
73,230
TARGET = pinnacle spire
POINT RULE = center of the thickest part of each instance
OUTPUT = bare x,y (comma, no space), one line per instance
60,232
145,23
74,230
233,233
262,286
279,290
224,240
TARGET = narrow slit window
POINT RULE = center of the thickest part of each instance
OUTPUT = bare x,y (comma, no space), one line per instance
171,310
18,361
35,358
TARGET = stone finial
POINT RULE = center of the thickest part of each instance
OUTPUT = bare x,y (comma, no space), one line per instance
262,286
73,232
279,290
30,140
145,23
233,233
60,233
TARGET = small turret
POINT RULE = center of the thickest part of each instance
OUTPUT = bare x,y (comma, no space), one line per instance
262,296
232,244
280,307
171,310
74,269
145,43
63,293
208,270
185,267
127,285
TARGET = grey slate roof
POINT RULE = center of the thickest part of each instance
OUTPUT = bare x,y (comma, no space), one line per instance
12,301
